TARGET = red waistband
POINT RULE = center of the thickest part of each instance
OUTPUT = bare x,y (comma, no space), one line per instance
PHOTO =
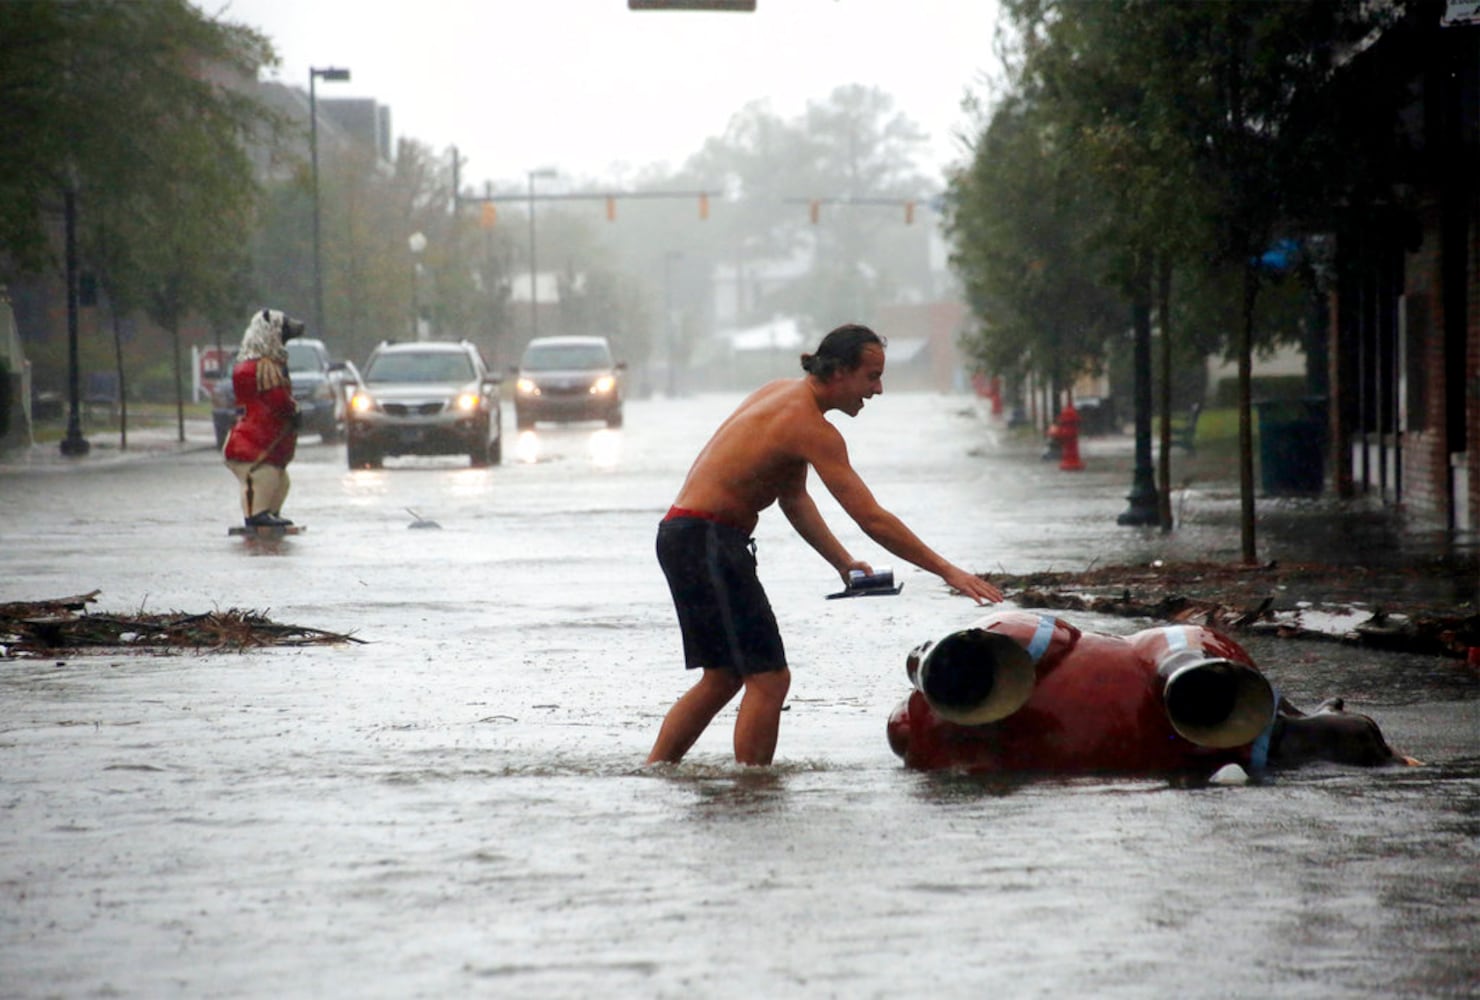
703,515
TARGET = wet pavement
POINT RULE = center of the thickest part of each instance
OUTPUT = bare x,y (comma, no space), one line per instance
458,806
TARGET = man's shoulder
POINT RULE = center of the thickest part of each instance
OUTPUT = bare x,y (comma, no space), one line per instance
774,388
786,392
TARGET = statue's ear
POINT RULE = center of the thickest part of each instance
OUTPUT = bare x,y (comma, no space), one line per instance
266,316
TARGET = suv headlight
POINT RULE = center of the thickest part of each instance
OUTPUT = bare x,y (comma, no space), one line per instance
466,402
361,402
603,385
527,386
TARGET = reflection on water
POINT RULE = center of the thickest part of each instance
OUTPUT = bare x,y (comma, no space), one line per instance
602,448
527,447
751,793
605,448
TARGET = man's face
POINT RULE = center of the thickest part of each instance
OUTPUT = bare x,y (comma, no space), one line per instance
862,382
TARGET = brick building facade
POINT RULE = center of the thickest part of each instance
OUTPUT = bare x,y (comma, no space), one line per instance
1405,331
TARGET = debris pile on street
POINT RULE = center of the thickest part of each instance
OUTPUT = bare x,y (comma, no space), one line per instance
40,628
1340,604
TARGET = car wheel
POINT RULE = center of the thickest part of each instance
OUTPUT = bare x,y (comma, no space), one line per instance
523,421
331,435
362,457
614,418
496,451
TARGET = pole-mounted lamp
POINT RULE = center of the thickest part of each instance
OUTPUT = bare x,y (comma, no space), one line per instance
334,75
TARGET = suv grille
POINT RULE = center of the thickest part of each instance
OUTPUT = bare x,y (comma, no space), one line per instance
414,409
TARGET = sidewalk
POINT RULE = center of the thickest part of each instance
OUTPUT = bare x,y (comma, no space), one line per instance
1336,546
149,441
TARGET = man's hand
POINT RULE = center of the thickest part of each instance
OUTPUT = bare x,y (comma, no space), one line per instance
972,586
857,564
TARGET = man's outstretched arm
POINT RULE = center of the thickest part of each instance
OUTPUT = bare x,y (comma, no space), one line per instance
801,510
830,459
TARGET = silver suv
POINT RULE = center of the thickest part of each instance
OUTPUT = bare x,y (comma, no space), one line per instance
568,378
425,398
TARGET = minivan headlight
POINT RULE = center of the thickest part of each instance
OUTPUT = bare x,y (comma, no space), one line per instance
603,385
527,387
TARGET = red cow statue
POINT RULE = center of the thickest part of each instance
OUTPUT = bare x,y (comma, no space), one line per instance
1023,692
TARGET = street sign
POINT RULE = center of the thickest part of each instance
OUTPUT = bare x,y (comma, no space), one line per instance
740,5
1460,12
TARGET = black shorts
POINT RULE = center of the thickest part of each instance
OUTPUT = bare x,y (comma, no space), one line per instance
723,612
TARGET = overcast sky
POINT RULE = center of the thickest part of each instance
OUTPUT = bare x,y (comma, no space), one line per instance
597,91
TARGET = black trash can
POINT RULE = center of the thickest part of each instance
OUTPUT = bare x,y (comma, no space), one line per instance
1292,445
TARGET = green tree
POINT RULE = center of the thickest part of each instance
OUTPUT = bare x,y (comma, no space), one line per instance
87,90
860,151
1259,148
853,150
1018,216
1198,127
143,112
1113,78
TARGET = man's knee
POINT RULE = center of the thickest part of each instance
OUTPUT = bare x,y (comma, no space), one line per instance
771,685
718,683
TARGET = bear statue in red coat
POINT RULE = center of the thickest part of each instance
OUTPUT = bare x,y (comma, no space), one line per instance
262,441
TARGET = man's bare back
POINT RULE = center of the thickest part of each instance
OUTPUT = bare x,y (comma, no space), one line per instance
762,453
756,455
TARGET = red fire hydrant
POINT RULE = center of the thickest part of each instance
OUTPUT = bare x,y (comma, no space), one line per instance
994,393
1065,431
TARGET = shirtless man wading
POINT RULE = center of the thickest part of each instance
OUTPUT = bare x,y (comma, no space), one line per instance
760,456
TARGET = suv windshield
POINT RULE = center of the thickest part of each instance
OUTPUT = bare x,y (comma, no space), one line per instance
572,357
428,367
302,358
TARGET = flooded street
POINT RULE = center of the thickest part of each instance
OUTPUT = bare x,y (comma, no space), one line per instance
458,806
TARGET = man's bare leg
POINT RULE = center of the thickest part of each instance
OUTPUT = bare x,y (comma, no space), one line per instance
759,720
692,713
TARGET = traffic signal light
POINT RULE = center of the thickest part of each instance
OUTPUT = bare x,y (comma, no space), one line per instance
611,209
703,206
814,209
909,213
488,215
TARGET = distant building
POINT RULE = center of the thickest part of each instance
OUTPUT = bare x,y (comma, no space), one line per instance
362,120
923,353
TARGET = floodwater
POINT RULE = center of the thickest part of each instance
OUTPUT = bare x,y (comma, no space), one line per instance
457,806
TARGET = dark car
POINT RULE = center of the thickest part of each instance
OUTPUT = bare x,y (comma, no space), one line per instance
318,387
567,379
223,406
425,398
320,400
347,379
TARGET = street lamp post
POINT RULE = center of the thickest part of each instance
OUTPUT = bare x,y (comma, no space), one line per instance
1144,506
417,243
74,445
668,327
333,74
534,288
